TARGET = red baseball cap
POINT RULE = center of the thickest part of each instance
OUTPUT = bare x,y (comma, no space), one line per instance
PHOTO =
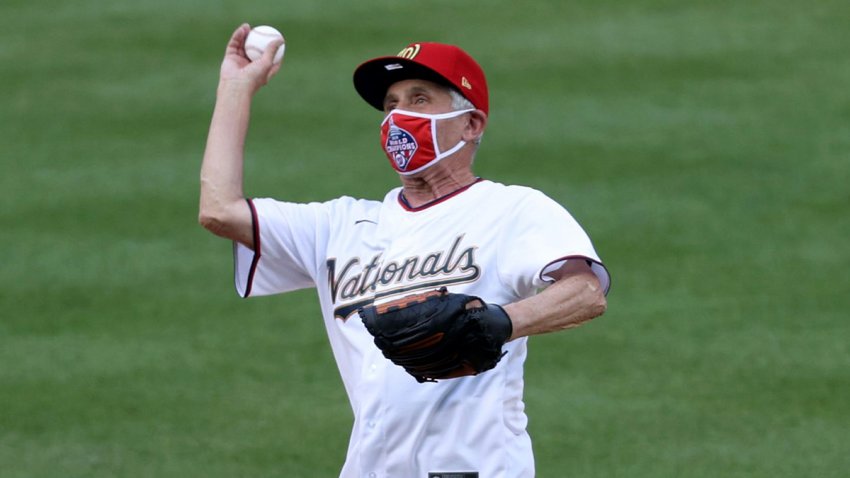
437,62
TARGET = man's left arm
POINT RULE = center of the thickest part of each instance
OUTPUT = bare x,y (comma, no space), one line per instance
573,299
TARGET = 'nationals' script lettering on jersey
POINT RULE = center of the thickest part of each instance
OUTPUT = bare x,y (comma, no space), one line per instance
354,281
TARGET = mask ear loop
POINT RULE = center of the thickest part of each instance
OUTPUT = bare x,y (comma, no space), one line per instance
434,119
452,151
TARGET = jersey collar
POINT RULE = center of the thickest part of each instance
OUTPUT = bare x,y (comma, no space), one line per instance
407,207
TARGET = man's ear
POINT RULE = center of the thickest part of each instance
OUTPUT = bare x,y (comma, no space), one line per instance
475,126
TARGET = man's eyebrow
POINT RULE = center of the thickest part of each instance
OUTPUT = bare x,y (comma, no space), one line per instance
419,89
389,97
413,90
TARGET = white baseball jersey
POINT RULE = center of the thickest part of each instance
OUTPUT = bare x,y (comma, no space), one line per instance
489,240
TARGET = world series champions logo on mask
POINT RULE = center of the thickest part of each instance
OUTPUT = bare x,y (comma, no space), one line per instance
400,146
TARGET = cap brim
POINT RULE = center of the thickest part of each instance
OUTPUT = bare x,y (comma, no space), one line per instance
373,78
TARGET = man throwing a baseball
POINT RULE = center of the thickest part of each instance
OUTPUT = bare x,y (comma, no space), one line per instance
429,295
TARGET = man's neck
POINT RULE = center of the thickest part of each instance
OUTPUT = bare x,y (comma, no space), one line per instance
434,183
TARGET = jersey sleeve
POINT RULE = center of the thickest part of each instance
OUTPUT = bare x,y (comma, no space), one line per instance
288,238
540,237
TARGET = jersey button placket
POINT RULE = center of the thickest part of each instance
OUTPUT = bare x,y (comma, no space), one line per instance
373,456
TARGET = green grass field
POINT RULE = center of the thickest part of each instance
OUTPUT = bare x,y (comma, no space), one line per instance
704,145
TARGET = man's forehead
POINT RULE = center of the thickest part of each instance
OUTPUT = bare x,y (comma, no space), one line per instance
415,86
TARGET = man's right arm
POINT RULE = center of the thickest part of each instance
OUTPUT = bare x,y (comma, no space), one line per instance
223,209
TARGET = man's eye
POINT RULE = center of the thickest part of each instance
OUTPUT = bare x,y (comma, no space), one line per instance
420,100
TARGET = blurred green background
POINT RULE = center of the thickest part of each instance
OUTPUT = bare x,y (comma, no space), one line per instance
703,145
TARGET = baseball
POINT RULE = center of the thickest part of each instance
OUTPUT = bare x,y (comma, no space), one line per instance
259,38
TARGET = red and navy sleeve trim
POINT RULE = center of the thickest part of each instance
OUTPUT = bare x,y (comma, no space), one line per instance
255,228
596,266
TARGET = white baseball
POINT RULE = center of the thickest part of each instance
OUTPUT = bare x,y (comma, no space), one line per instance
259,38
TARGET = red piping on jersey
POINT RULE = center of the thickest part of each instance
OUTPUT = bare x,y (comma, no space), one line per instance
589,262
407,207
255,227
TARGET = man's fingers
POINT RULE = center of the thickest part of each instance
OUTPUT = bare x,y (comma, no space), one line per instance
237,40
271,50
273,71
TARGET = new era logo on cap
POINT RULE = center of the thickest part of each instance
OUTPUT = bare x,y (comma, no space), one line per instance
437,62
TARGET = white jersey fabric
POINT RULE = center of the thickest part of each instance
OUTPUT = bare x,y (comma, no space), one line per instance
489,240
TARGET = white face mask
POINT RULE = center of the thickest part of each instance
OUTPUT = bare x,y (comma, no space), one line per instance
410,139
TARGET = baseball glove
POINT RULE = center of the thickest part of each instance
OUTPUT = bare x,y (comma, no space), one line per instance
438,335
